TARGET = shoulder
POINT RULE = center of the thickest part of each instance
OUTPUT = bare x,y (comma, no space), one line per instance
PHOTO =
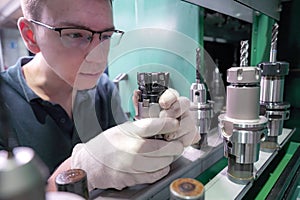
9,80
13,74
12,79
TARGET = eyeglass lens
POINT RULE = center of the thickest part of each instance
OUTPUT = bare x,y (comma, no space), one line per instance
73,38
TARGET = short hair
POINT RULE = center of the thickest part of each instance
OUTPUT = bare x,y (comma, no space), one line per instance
32,8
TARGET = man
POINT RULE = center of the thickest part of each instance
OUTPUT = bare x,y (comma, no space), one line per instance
56,100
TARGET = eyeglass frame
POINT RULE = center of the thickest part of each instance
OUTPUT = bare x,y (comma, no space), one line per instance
74,27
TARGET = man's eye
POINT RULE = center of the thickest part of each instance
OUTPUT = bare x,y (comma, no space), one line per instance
89,37
78,35
75,35
105,36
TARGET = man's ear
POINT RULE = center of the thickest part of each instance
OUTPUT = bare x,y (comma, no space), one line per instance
27,33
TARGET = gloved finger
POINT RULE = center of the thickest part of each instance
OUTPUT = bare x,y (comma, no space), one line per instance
185,124
134,163
187,132
168,98
142,146
160,148
149,127
142,164
129,163
127,179
118,160
111,178
177,108
133,144
137,145
124,154
189,138
152,176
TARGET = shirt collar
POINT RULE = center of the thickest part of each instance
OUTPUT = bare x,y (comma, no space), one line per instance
20,80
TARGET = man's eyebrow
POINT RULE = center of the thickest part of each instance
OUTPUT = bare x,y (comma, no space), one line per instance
75,25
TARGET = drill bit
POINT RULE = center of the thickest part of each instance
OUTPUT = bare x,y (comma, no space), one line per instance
244,53
273,53
198,76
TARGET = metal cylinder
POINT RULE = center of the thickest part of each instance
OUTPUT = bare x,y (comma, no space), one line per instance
243,93
241,126
272,81
243,145
74,181
271,101
198,93
276,113
22,175
186,188
151,85
239,173
272,89
147,109
275,126
202,112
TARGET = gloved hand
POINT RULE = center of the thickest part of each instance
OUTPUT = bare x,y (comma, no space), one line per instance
125,156
178,107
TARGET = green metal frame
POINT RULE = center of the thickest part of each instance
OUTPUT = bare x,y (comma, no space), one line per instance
211,172
277,172
261,38
163,41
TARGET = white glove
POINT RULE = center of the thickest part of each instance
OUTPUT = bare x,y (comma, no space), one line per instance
178,107
124,155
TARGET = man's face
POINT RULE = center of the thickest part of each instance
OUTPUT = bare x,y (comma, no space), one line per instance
79,67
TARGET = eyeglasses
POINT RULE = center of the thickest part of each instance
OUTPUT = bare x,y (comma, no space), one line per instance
74,37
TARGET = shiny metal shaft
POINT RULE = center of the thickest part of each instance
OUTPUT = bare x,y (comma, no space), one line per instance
198,65
273,53
244,53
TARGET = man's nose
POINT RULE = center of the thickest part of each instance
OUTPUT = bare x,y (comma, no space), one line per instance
98,52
